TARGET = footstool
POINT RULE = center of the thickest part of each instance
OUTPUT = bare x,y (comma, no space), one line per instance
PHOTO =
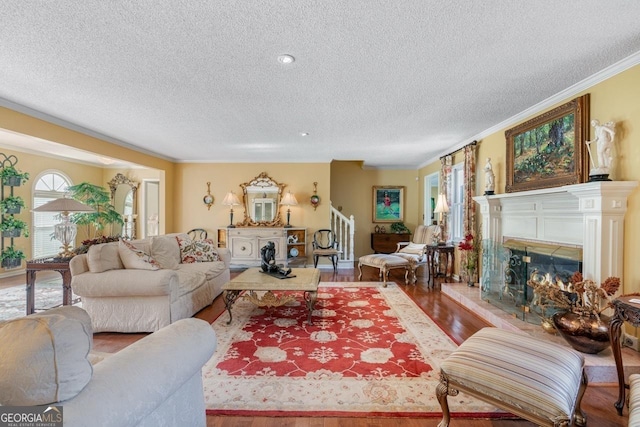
537,380
386,263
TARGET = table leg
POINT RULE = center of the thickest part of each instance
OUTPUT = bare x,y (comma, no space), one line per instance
310,299
66,287
31,297
229,298
614,335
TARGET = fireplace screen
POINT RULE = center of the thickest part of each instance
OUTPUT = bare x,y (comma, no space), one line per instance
507,267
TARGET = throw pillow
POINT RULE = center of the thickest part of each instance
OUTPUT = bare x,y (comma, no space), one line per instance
44,359
413,248
134,258
104,257
197,250
166,251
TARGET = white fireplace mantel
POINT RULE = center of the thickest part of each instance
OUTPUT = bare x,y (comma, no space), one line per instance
589,215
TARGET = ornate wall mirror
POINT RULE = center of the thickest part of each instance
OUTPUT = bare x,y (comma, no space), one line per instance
262,202
124,200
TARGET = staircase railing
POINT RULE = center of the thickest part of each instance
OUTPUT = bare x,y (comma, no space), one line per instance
344,229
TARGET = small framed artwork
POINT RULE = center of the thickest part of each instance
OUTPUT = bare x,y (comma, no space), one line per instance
549,150
388,204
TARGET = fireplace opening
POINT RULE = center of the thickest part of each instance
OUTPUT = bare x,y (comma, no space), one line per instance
508,266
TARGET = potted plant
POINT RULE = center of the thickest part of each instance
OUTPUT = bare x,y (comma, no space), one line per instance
13,227
100,200
11,257
12,176
11,205
399,227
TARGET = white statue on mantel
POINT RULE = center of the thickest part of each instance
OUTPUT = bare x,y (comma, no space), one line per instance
605,135
489,178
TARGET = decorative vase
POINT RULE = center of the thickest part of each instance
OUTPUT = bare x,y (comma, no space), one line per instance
587,334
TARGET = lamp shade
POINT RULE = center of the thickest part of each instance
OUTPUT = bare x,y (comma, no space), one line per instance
231,199
289,199
64,205
441,205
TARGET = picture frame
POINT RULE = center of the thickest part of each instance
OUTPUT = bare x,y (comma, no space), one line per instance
388,203
549,150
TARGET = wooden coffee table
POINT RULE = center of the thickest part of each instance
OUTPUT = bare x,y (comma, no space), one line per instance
254,280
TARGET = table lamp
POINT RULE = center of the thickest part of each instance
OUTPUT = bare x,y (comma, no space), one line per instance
441,208
66,231
231,200
288,200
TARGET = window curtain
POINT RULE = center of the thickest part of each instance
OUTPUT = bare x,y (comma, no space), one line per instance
445,188
469,205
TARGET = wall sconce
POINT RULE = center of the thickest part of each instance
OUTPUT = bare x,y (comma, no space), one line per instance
315,199
231,200
441,208
208,198
288,200
66,231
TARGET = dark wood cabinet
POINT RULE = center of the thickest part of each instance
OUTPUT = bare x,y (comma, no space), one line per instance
386,243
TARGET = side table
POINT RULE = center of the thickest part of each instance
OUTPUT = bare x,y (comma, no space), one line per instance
61,265
624,310
434,252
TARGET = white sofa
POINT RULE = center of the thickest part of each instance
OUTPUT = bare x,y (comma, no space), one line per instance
157,381
120,299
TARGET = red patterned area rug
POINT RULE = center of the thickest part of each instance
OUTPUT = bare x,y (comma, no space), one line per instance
371,351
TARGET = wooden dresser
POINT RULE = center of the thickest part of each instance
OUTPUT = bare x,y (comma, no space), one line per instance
386,243
245,243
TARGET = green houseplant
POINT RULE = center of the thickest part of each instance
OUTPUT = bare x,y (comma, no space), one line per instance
399,227
13,227
100,200
11,205
11,257
12,176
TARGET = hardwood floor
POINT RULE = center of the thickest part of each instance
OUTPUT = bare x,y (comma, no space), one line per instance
456,320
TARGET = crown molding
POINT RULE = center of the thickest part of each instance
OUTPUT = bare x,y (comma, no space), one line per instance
607,73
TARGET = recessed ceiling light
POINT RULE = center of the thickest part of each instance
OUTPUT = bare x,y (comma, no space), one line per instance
304,133
286,59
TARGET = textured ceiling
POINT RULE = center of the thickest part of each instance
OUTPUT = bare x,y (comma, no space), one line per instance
391,83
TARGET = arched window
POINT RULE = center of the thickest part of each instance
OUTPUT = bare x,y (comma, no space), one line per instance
49,186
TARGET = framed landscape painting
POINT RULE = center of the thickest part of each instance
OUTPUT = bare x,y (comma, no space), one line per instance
549,150
388,204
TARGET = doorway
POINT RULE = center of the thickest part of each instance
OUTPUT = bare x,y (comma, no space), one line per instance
151,207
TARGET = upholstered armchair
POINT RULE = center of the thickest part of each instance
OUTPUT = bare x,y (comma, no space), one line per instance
416,250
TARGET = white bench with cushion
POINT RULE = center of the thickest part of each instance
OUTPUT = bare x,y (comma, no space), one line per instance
539,381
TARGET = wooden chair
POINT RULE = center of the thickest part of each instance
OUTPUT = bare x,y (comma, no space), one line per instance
325,244
197,234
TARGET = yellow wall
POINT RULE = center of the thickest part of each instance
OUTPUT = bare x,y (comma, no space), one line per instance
27,125
614,99
352,189
347,184
191,178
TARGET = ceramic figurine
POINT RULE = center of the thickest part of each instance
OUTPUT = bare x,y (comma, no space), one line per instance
489,177
605,135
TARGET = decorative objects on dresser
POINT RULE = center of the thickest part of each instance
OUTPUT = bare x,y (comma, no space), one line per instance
549,150
289,200
208,198
605,134
231,200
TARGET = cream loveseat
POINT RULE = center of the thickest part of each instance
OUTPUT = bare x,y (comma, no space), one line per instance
144,285
157,381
